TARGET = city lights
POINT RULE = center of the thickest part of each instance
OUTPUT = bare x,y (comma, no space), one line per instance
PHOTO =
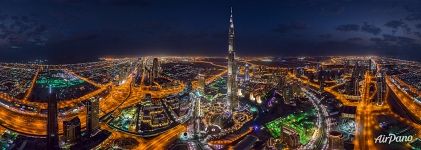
205,75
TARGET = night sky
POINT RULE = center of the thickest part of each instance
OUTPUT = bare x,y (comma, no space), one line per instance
66,31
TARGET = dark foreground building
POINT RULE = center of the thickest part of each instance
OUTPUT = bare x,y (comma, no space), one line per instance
52,125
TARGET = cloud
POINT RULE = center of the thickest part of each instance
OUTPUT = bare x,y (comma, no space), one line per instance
325,36
397,42
414,17
394,24
398,24
94,2
398,39
377,40
348,27
18,30
368,28
413,8
414,12
406,28
333,10
405,40
418,34
290,27
127,2
389,38
418,26
354,39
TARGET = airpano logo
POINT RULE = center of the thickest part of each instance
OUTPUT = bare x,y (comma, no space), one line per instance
392,138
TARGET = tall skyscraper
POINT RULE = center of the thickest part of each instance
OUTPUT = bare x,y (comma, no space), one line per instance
354,83
287,94
232,69
150,77
52,124
356,86
321,78
201,83
197,115
139,72
380,88
92,120
71,130
155,68
247,73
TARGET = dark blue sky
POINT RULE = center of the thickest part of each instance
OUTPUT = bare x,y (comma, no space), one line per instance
77,30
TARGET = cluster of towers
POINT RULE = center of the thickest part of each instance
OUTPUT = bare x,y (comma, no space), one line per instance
151,72
353,86
357,74
71,128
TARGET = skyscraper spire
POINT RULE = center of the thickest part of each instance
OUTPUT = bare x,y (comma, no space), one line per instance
231,34
231,20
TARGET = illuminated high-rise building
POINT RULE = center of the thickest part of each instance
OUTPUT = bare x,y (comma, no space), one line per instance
92,120
150,76
155,68
139,71
52,124
71,130
287,94
201,84
197,115
356,86
380,88
354,83
247,73
321,78
232,96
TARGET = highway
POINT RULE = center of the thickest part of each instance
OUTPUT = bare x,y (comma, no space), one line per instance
365,120
319,138
338,96
158,142
404,98
29,91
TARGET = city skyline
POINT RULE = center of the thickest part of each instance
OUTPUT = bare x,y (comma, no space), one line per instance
244,99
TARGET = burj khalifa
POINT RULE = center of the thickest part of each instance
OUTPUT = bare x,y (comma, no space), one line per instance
232,97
